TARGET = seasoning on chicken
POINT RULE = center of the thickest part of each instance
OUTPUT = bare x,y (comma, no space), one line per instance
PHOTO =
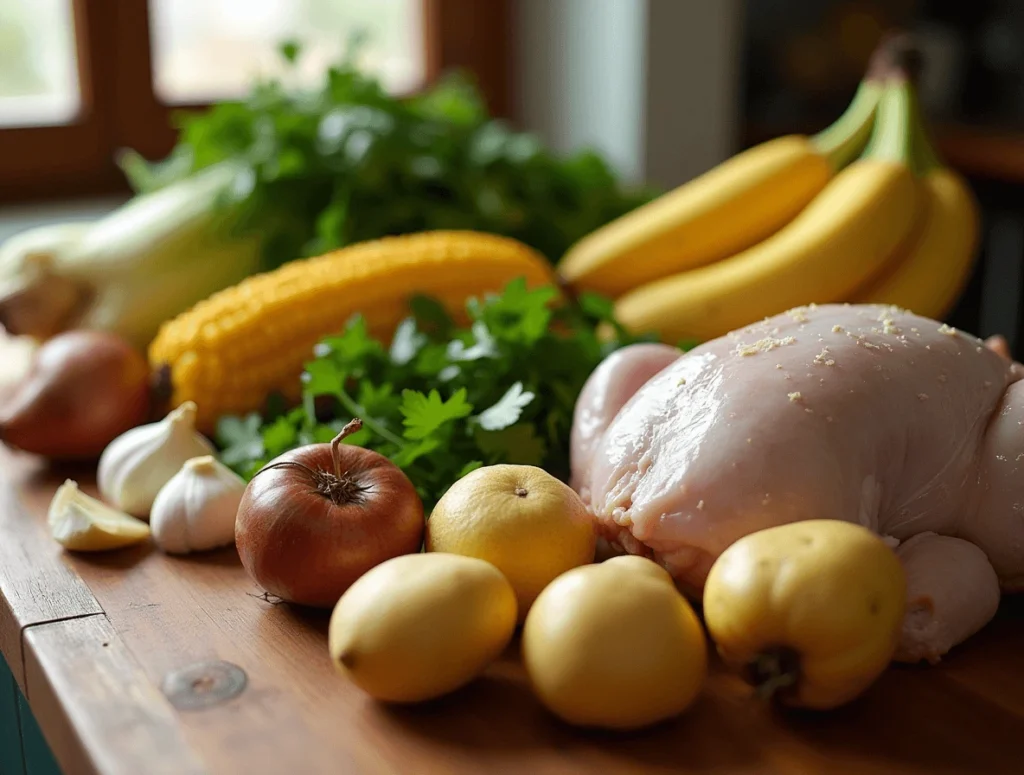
866,413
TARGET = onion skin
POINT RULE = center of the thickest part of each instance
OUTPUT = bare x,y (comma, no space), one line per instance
302,546
83,390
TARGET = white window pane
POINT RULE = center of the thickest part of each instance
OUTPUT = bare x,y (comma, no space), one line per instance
209,49
38,64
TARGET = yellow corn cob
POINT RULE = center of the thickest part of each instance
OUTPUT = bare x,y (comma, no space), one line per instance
229,352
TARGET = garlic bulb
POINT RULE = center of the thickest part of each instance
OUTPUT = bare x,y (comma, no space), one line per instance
195,510
136,464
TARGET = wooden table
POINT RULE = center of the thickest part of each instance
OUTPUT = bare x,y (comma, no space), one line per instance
93,639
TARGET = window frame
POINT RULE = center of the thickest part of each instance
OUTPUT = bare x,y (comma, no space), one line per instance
120,109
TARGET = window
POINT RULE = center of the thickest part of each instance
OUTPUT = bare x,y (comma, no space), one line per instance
38,76
205,50
80,79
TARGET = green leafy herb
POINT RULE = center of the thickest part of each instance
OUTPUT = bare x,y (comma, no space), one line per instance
507,410
426,415
441,400
290,50
347,162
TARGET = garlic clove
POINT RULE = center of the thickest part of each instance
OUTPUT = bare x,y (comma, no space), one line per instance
195,510
82,523
137,464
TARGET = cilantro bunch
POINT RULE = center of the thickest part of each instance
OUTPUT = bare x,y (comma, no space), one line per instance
440,400
347,162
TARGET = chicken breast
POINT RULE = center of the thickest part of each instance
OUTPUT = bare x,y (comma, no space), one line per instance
863,413
612,384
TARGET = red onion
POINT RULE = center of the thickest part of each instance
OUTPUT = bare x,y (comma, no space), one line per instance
315,519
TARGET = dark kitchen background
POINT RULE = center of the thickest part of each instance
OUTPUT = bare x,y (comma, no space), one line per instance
803,59
664,88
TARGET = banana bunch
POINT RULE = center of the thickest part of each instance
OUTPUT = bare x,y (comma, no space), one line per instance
861,212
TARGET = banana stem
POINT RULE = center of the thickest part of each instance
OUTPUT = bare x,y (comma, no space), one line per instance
893,136
897,63
842,141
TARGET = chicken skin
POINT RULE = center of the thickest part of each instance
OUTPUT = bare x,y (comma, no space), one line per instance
864,413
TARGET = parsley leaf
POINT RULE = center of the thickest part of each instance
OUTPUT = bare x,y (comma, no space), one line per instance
431,317
408,341
409,454
279,437
321,378
508,410
378,400
519,315
597,306
469,468
354,350
240,439
483,345
425,414
290,50
238,430
516,444
519,366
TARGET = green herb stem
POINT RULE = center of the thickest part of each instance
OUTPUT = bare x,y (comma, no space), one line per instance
354,409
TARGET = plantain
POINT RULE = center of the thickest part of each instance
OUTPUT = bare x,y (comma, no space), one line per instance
732,207
843,238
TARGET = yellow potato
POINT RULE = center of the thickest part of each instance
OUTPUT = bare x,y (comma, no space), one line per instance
421,625
811,610
526,522
614,645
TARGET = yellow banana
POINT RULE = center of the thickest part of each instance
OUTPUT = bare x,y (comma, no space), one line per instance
730,208
843,238
934,265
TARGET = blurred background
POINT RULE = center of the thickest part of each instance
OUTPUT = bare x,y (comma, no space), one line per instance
663,89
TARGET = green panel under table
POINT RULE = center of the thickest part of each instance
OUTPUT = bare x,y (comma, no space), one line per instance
10,730
38,757
23,749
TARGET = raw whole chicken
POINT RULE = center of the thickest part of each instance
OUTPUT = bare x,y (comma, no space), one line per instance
863,413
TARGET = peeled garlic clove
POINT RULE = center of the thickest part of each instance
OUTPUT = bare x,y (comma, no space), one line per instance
82,523
196,509
136,464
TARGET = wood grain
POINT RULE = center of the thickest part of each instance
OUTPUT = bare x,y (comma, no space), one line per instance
296,714
35,584
98,711
101,708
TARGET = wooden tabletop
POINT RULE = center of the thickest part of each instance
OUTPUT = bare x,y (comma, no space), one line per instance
94,642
